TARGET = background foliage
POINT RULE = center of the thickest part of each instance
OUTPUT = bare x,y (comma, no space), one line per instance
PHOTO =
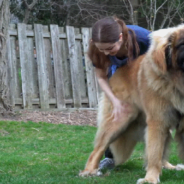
151,14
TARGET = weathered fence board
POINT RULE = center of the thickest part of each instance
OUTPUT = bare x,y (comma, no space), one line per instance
14,64
42,71
49,67
25,66
74,66
91,83
12,68
80,58
49,64
32,65
58,68
66,67
82,77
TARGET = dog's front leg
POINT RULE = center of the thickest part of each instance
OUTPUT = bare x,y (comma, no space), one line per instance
156,135
106,134
91,168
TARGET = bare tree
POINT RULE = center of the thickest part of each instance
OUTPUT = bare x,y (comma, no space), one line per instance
75,12
152,14
86,12
128,5
29,8
164,11
4,24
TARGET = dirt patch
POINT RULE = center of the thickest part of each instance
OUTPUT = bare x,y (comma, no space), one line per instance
74,117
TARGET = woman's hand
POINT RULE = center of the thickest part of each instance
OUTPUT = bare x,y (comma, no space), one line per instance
119,109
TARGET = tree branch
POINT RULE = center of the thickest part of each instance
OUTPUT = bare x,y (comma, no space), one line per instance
30,6
28,10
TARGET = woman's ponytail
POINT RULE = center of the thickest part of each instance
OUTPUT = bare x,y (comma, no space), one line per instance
129,40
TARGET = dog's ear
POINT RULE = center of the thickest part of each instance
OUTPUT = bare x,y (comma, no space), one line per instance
168,56
159,58
163,53
169,50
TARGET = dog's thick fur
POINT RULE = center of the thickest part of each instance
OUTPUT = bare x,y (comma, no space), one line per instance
153,86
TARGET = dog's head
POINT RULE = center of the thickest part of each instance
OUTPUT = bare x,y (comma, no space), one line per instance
167,48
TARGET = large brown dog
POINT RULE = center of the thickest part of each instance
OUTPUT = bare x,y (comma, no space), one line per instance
153,86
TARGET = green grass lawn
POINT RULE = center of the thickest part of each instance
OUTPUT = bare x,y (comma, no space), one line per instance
36,153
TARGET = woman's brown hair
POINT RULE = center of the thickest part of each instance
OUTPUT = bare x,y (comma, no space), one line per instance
107,30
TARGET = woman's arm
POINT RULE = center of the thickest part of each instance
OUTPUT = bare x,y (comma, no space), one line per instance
104,84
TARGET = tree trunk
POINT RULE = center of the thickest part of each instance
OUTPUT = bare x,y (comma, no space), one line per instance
29,8
5,107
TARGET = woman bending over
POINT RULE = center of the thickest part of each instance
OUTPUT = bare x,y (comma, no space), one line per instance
114,44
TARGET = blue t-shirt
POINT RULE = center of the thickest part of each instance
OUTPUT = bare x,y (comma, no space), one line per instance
142,37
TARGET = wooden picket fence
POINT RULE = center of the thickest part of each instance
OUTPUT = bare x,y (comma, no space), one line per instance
49,68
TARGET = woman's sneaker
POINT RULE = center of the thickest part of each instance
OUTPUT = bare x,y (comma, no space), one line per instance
106,163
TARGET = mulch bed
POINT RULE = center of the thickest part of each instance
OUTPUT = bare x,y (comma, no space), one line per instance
74,117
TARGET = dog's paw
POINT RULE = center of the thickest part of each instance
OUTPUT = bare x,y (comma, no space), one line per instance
140,181
179,167
169,166
94,172
144,180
